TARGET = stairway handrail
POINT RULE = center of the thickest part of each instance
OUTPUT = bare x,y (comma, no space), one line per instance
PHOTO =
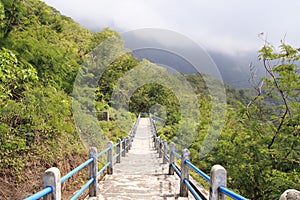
219,191
54,188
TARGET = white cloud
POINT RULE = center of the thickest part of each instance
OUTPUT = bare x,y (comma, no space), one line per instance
231,25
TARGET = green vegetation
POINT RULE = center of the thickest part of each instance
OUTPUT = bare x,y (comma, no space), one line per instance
259,145
42,52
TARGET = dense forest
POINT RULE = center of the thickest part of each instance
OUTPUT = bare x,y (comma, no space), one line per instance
41,54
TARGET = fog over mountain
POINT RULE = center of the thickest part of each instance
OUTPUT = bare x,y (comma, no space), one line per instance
179,53
235,70
229,30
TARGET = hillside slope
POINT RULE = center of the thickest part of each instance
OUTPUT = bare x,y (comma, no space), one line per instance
40,53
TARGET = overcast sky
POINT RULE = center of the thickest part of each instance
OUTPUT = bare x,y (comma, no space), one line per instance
231,25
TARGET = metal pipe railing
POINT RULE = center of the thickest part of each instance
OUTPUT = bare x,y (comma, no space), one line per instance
217,180
40,194
52,176
205,176
74,171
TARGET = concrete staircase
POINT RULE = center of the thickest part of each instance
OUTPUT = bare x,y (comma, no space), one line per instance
141,174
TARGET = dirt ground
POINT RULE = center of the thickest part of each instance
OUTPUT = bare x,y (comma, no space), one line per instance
11,188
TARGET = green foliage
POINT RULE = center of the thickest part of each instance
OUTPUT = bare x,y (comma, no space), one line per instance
42,118
112,74
261,137
15,75
151,94
41,52
11,146
112,131
39,56
12,16
55,45
2,15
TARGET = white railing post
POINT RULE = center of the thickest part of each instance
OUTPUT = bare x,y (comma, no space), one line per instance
290,194
172,149
218,177
123,147
110,158
130,142
51,178
118,150
165,152
160,148
127,144
184,190
157,144
154,141
92,171
153,131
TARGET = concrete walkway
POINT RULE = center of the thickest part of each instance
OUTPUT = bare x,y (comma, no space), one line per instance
141,174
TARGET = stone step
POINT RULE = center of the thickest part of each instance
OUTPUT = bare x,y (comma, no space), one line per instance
141,174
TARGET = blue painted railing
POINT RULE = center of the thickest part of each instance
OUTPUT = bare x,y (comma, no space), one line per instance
48,189
40,194
77,169
127,144
222,189
82,189
201,173
177,154
162,148
192,190
231,193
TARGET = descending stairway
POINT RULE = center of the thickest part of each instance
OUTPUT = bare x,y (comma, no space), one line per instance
141,174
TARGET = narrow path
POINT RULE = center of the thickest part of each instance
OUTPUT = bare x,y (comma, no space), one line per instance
141,174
